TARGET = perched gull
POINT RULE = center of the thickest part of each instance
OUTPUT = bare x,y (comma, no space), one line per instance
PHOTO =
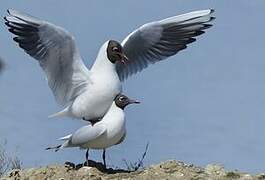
87,93
103,134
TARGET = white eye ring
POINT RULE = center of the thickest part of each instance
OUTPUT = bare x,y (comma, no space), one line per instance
121,98
114,49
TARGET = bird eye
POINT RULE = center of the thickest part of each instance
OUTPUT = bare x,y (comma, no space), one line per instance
121,98
115,49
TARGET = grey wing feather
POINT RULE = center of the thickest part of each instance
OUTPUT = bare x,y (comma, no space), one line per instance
56,52
87,133
159,40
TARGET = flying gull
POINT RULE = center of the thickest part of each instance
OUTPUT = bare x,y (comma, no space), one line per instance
88,94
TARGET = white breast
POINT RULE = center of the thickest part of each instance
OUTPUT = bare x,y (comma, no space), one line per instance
114,121
99,96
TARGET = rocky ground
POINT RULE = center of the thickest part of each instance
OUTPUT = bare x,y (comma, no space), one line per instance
167,170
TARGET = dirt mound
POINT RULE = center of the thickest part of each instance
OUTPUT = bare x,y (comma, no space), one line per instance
167,170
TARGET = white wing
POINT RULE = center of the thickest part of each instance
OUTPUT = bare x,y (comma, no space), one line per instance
159,40
87,133
56,52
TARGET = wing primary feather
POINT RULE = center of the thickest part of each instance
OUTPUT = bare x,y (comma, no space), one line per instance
55,50
23,17
156,41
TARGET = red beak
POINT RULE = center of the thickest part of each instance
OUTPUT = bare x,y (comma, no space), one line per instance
124,58
134,101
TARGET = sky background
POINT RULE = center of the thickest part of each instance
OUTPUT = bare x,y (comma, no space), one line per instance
204,105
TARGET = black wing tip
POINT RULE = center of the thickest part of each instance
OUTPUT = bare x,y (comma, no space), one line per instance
197,33
212,18
16,39
8,24
9,11
11,30
206,26
191,40
56,148
183,47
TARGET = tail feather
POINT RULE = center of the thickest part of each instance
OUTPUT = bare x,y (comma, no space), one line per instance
67,143
66,137
62,113
56,148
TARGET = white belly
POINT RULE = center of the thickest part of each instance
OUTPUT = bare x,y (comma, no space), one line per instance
99,96
115,131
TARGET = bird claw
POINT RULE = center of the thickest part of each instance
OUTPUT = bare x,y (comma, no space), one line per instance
69,165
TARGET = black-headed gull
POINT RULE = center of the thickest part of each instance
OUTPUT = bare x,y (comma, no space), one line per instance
108,132
87,93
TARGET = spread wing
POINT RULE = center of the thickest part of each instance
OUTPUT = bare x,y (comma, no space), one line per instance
56,52
159,40
87,133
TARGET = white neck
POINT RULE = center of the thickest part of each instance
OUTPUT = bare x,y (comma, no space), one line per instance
114,115
102,62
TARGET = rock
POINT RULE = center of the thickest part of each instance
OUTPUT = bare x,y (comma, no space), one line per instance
214,169
14,174
170,170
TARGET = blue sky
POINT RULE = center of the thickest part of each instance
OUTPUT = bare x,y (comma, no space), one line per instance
204,105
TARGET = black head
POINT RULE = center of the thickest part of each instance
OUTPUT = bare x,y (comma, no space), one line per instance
115,52
122,101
